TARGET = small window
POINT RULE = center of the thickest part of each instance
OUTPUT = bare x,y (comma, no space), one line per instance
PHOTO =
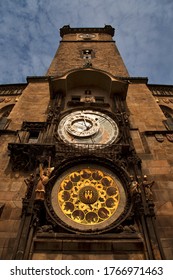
1,208
99,99
33,137
75,98
87,92
4,123
87,54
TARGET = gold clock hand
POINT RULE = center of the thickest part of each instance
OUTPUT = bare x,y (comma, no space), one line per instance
85,123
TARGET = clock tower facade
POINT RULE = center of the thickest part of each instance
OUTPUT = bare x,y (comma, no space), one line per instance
82,154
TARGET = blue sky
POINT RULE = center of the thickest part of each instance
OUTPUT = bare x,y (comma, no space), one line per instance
29,34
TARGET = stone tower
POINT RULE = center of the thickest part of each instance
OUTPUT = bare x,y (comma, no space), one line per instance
86,161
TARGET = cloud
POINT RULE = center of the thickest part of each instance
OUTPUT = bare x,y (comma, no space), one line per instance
29,34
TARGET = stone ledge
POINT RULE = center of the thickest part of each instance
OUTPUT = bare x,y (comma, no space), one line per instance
63,242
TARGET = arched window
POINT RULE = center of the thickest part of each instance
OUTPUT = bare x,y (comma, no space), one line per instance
168,112
4,113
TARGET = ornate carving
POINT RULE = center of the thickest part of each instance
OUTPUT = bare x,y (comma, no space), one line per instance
87,64
30,182
36,126
63,166
159,90
88,195
45,228
147,188
129,229
134,187
53,114
136,194
26,156
122,117
12,90
43,180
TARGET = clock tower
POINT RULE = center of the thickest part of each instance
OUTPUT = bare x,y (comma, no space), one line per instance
87,193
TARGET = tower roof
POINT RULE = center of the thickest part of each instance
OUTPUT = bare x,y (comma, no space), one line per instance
66,29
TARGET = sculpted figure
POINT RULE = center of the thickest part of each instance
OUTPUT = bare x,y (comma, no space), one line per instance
30,185
134,186
147,187
43,180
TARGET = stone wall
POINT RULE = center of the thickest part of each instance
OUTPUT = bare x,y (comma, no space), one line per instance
157,157
69,56
30,106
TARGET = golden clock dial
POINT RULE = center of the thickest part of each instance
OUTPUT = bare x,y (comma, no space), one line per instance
88,197
88,127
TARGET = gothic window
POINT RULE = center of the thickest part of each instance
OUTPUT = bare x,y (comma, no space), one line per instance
3,123
168,112
169,123
4,113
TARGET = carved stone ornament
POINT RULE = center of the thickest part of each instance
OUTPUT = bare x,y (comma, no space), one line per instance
30,183
148,188
45,174
36,126
86,198
26,156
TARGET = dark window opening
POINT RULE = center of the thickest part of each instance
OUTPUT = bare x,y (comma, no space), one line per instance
167,115
87,92
99,99
169,123
33,137
3,123
1,208
87,54
4,113
168,112
75,98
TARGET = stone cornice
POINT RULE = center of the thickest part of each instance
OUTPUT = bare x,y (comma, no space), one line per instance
66,29
134,80
37,79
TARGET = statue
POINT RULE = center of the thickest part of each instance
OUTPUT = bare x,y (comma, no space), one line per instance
147,188
134,186
43,180
45,228
30,185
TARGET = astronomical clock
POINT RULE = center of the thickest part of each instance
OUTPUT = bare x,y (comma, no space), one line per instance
87,197
86,193
88,127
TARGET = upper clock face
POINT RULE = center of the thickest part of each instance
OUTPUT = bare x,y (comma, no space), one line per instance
88,127
88,197
87,36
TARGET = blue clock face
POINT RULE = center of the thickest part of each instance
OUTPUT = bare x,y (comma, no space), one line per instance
88,127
